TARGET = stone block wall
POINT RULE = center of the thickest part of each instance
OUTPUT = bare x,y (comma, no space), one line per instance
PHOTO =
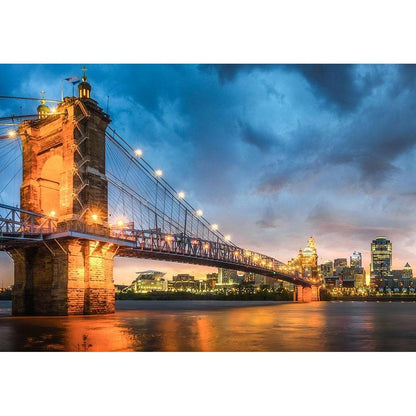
74,279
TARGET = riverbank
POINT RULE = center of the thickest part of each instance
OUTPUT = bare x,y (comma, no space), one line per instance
277,296
263,295
383,298
159,305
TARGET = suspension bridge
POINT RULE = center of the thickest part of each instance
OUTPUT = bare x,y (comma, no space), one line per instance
87,196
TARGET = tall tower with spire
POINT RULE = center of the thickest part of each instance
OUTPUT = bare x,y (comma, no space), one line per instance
64,178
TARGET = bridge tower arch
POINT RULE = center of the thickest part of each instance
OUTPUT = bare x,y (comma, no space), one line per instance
64,178
50,185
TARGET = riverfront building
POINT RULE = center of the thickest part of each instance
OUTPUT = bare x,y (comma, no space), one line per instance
183,283
147,281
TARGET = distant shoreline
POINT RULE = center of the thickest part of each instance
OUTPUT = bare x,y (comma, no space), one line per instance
256,296
393,298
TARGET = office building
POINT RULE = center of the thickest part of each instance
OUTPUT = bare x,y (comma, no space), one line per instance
339,265
211,280
226,276
356,259
327,268
183,283
381,260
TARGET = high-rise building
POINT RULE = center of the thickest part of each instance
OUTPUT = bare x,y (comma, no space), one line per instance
339,265
306,262
341,262
227,276
356,259
327,268
381,258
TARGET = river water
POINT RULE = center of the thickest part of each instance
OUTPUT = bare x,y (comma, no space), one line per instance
219,326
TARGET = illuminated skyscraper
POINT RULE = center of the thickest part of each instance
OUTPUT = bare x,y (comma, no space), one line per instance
306,262
356,259
381,258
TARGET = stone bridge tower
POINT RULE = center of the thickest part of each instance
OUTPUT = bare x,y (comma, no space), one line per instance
64,178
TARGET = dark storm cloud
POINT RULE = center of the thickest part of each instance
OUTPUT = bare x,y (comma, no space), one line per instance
299,158
407,75
263,140
228,72
337,85
376,139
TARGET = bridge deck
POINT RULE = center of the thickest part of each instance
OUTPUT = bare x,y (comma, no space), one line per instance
175,248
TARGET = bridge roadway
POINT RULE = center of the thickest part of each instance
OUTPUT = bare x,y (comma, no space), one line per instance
23,228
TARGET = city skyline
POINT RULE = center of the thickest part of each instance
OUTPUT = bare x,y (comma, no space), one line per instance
282,134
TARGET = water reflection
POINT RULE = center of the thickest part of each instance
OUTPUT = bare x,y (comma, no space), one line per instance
218,326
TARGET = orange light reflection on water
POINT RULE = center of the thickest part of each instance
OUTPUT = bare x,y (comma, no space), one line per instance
187,326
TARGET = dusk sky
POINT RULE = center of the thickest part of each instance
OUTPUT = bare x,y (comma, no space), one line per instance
272,153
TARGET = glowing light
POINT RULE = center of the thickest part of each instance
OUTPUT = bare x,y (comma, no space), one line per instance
158,173
227,237
206,246
120,223
94,217
214,227
236,253
263,262
138,152
168,238
181,195
52,214
247,253
194,242
11,133
199,212
255,259
53,110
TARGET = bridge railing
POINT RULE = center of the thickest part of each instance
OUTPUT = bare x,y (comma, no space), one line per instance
184,245
24,223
